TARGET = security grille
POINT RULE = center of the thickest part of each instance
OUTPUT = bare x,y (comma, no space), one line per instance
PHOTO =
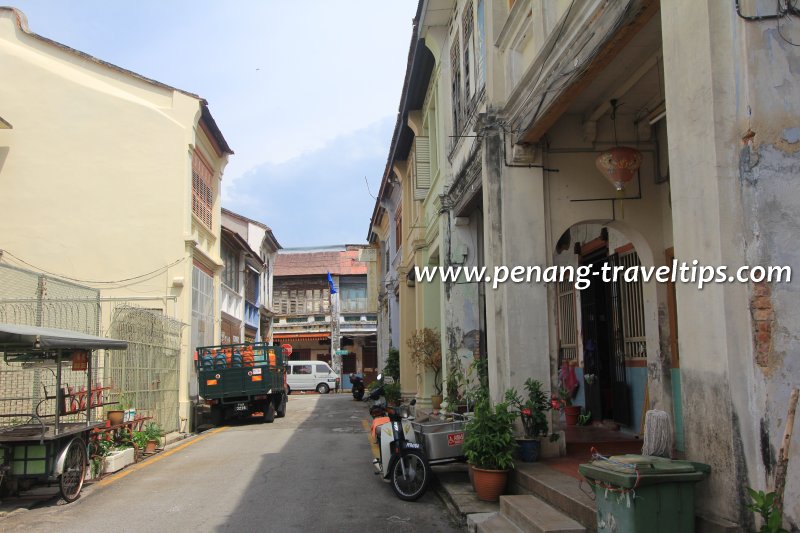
635,342
567,323
147,372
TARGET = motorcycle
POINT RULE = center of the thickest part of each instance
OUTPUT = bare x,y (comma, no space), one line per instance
402,460
357,386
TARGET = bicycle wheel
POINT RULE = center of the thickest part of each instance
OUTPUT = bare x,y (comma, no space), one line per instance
74,472
410,475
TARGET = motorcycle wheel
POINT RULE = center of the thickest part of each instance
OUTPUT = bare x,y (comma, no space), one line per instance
418,474
358,395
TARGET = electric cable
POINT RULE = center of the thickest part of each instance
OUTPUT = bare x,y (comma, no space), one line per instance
153,272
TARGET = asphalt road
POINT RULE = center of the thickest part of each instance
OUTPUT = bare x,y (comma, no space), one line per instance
309,471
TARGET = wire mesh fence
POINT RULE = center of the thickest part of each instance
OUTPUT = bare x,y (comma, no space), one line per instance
39,300
147,372
145,375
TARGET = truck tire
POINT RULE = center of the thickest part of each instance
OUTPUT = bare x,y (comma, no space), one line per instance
217,415
269,412
323,388
280,412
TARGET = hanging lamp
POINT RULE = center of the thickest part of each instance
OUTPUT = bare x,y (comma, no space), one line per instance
620,163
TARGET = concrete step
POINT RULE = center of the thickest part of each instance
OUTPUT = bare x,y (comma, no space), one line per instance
498,524
556,489
529,513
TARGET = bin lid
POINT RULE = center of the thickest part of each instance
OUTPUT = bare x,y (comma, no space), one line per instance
630,470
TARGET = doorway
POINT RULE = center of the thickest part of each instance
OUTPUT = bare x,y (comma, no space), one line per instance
607,395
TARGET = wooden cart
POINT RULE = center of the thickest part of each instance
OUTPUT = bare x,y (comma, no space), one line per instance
49,396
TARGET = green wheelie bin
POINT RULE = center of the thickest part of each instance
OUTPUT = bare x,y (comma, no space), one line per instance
639,493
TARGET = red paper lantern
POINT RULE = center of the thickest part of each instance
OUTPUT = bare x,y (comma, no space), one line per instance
619,165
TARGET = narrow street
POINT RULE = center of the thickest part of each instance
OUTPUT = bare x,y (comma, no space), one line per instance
309,471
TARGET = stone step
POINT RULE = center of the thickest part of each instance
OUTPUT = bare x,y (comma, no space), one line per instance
498,524
556,489
529,513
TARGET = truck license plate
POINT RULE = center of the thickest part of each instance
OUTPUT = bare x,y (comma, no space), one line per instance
241,406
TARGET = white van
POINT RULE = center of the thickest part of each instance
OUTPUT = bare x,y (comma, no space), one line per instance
310,375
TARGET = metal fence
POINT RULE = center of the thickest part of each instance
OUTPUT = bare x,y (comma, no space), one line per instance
39,300
147,373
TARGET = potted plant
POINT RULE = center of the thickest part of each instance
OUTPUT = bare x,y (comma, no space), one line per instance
531,411
489,447
426,352
153,433
392,393
571,412
139,444
99,450
455,382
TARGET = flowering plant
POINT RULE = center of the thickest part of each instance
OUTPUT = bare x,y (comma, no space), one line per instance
531,410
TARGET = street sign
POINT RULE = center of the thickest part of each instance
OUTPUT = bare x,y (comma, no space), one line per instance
342,352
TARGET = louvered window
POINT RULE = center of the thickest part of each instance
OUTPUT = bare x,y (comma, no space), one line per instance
398,229
466,22
422,167
455,68
480,59
202,190
567,323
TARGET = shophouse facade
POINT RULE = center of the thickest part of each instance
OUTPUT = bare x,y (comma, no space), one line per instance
114,178
316,322
528,95
249,250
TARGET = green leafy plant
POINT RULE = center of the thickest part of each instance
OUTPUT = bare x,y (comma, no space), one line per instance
564,398
532,409
584,418
425,347
124,402
140,439
455,383
153,431
474,387
764,504
392,367
392,393
99,450
489,436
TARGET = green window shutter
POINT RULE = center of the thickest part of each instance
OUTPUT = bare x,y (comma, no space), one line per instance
422,170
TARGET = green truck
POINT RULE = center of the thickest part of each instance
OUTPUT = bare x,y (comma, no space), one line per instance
240,381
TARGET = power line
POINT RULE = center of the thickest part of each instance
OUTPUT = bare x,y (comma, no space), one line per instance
156,271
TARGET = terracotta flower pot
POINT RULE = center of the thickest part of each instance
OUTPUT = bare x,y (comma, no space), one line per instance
151,446
490,484
571,414
436,401
115,417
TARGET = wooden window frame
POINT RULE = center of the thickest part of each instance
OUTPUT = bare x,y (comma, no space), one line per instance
398,229
202,190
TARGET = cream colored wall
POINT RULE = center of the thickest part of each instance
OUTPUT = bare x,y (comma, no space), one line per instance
97,177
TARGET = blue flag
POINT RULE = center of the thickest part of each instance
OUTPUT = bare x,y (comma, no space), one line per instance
330,282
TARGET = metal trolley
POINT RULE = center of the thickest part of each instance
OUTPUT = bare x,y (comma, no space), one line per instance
442,439
48,400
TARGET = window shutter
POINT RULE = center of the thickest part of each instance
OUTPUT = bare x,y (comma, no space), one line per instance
422,162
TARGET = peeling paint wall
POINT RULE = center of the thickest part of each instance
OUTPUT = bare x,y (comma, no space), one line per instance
734,160
772,222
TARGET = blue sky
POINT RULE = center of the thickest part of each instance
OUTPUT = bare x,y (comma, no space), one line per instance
305,92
